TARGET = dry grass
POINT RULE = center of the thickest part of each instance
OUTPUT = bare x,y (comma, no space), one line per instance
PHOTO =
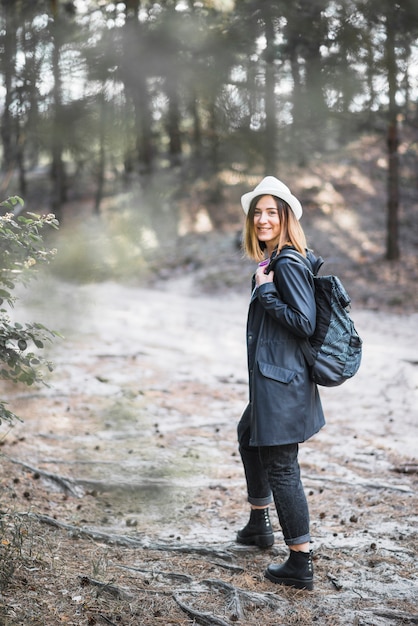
49,576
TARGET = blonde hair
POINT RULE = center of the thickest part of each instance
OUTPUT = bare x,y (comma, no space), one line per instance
291,232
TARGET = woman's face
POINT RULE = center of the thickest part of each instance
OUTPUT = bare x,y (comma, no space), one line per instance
266,221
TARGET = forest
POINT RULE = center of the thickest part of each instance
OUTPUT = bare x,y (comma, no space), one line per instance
179,97
129,131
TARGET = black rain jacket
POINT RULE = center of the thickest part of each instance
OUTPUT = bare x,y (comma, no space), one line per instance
284,402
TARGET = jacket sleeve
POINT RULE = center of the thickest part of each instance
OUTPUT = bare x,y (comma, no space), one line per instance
290,299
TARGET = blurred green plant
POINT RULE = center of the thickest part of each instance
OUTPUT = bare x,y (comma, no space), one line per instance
22,249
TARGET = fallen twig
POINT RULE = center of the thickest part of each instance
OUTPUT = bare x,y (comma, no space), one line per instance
125,540
270,599
185,578
106,619
335,582
401,616
235,597
237,569
406,468
234,602
116,592
206,619
68,485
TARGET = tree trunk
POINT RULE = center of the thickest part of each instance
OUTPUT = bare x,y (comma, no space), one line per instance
392,241
9,56
344,131
143,123
20,160
213,165
135,81
370,73
271,130
173,123
196,161
102,156
297,148
57,169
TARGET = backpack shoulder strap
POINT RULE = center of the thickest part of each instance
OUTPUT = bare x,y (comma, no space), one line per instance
288,253
291,253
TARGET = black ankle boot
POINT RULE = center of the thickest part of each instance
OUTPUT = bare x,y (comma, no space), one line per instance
258,531
296,572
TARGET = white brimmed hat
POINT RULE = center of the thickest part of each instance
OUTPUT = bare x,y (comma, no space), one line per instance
271,186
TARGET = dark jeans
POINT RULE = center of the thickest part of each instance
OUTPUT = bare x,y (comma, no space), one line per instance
272,473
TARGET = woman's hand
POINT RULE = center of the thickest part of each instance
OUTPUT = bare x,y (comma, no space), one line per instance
261,278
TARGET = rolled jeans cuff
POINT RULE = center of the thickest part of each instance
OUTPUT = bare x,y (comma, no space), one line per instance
260,501
298,540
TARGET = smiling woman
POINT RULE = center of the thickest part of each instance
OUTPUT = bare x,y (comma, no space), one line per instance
272,219
267,221
284,407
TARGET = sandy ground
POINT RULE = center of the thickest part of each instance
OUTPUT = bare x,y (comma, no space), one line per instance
141,416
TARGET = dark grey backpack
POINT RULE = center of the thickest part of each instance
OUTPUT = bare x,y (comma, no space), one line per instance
334,351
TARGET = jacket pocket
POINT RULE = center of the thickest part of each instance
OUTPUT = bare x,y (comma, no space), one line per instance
280,374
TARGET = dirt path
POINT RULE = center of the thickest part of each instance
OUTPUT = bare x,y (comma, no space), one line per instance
141,415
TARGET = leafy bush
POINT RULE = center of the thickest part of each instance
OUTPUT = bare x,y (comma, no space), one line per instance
21,250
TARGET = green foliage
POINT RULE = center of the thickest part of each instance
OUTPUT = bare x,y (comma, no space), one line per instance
21,250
